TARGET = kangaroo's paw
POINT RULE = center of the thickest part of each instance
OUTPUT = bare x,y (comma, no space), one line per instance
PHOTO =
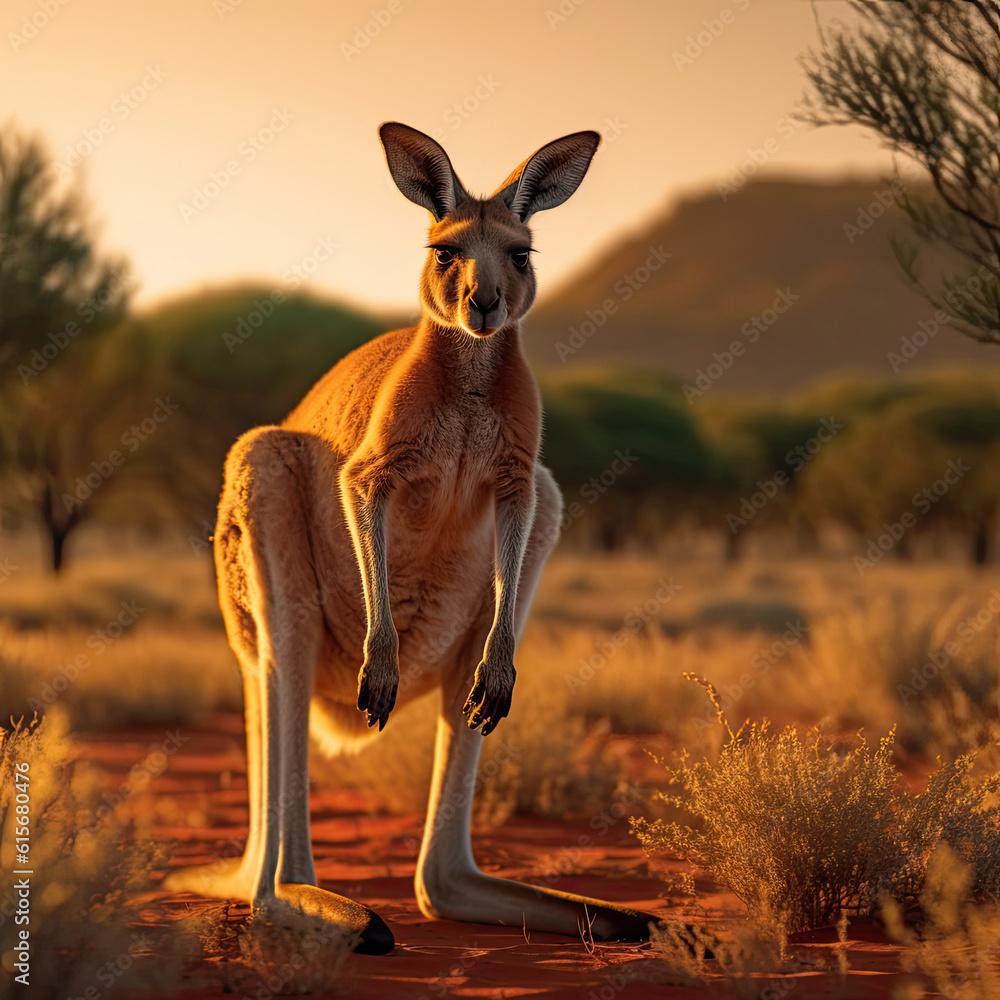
378,683
363,930
489,700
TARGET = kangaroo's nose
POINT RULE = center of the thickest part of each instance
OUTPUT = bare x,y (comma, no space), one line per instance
479,302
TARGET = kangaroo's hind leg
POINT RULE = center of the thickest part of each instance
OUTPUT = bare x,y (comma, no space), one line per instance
448,882
272,606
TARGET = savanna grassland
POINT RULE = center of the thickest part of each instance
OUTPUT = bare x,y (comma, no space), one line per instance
127,646
131,633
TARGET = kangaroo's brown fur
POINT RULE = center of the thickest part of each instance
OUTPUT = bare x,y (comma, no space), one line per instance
398,520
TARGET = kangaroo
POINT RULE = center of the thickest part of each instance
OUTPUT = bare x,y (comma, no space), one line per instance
399,519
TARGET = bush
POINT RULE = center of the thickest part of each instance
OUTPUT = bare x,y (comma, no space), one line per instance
748,961
84,919
956,953
810,829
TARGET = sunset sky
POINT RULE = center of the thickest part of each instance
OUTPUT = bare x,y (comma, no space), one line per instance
281,103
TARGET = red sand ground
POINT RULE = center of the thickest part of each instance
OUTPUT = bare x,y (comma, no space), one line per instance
200,808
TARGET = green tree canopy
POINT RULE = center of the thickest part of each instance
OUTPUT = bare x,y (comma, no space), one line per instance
230,359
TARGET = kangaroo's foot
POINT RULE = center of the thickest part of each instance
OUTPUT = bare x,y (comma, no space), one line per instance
363,929
483,898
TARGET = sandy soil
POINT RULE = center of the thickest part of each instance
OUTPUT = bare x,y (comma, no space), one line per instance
198,809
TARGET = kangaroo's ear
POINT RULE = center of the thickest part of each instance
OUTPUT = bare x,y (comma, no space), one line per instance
421,169
550,176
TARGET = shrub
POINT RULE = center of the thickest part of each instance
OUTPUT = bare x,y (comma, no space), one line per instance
810,828
957,952
84,922
748,960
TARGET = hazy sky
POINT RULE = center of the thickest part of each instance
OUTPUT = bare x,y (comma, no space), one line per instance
229,138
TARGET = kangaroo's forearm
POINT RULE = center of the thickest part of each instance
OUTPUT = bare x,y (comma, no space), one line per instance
366,518
514,517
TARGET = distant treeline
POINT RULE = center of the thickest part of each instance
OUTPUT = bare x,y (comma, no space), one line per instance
133,427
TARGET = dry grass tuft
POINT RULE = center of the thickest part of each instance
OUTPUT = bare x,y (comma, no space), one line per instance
958,953
811,828
256,956
292,960
752,955
154,676
681,954
83,922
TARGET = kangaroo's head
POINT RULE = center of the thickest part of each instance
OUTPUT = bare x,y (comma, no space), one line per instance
478,276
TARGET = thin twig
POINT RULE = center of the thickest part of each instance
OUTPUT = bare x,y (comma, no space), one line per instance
586,929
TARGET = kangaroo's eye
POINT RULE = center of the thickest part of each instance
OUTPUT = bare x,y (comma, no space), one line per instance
520,259
443,257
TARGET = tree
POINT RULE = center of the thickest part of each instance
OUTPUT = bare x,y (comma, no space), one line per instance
227,359
924,466
58,297
924,75
777,442
626,451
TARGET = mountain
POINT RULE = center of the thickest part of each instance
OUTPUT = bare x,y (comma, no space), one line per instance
681,290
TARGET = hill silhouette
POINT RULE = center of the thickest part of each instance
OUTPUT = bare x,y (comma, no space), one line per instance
250,338
683,287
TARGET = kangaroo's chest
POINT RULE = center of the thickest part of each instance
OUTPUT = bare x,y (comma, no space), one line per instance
455,480
441,535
